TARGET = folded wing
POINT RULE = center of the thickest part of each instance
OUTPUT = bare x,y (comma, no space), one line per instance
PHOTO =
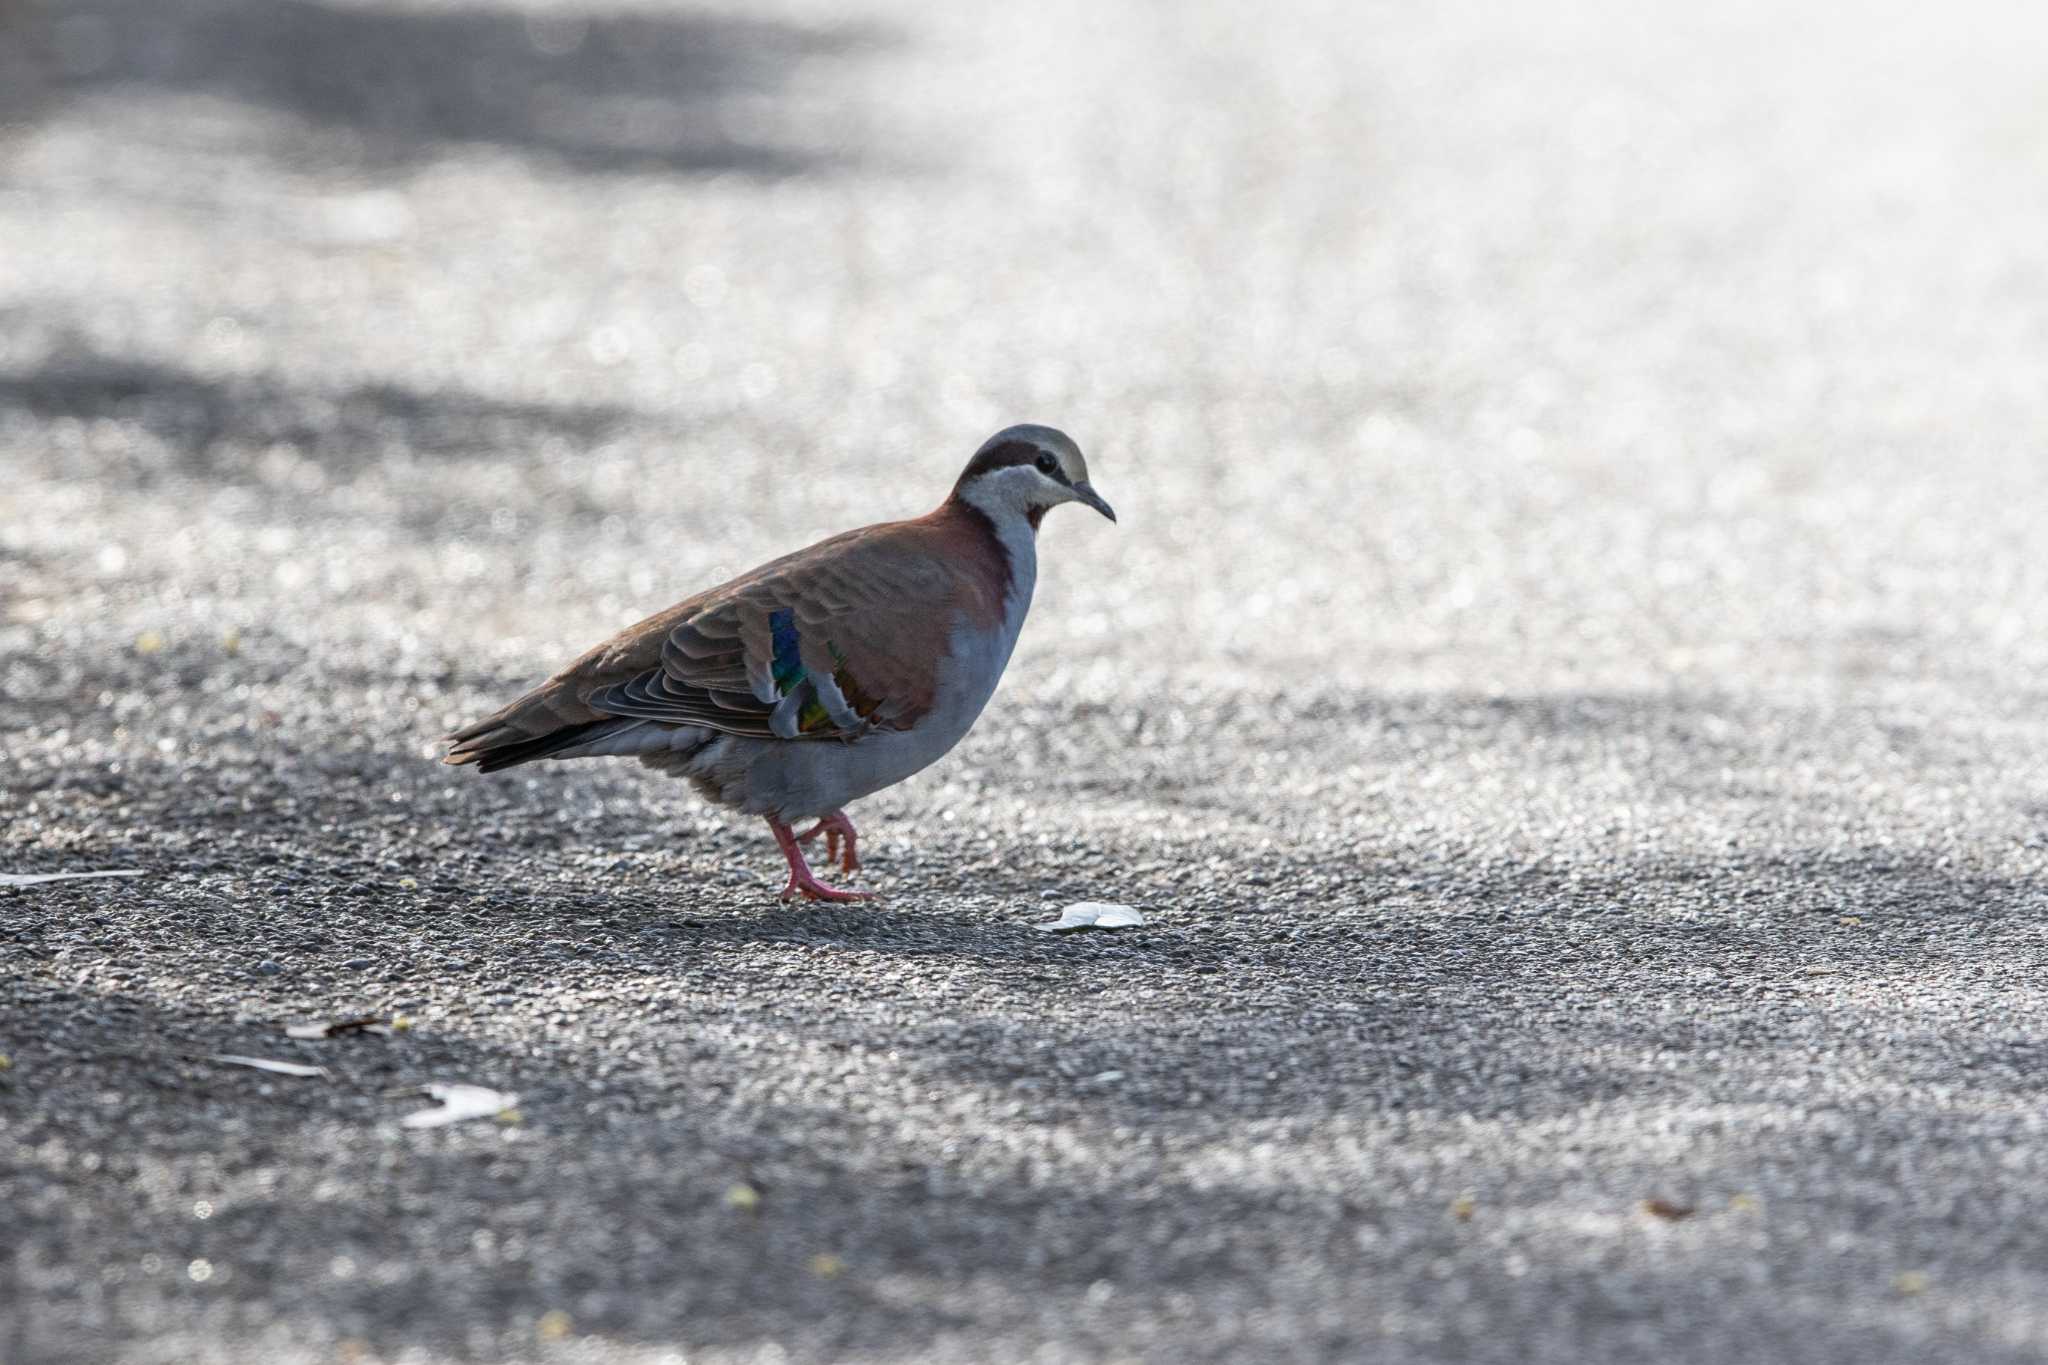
828,643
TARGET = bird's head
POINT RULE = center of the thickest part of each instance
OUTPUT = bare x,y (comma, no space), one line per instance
1023,471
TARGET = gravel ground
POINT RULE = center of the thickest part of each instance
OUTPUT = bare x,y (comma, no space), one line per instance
1567,689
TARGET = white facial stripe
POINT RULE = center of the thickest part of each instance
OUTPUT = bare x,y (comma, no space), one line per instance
1013,491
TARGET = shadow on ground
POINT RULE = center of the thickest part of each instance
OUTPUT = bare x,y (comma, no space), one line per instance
668,90
964,1133
1084,1161
162,423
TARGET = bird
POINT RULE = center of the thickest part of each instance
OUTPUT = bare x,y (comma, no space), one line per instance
821,677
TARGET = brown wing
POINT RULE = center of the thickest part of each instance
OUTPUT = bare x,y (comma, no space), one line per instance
826,643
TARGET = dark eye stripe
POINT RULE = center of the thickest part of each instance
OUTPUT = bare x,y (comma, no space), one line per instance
1006,455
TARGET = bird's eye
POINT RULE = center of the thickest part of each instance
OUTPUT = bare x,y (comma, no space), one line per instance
1046,463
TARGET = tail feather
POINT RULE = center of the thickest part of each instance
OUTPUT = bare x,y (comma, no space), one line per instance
546,721
491,747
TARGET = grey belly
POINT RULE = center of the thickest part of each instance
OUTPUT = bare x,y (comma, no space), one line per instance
795,780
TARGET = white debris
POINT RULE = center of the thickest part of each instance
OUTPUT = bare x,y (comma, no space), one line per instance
459,1102
1094,915
38,878
266,1064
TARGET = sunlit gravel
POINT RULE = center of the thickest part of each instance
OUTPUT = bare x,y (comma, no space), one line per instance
1566,693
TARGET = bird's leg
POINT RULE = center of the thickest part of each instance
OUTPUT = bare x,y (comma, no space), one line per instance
835,827
801,881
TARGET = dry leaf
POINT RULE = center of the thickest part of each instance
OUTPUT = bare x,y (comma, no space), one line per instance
266,1064
459,1101
1668,1211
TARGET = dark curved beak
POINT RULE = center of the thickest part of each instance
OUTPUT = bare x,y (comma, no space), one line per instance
1085,491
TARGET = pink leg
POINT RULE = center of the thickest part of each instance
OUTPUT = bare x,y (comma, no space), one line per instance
801,882
834,827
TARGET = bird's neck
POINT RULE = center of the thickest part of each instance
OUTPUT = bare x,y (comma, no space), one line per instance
1005,516
1012,531
1007,497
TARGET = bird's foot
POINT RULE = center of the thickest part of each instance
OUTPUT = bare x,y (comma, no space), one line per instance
802,882
835,827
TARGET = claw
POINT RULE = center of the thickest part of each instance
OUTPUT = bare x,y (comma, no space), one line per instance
811,889
802,882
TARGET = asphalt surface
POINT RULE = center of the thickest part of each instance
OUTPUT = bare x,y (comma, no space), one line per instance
1567,689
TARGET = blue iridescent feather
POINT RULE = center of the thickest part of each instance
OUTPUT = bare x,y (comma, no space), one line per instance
787,666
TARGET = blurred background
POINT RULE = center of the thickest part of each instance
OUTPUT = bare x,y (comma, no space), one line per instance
1569,344
1578,458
